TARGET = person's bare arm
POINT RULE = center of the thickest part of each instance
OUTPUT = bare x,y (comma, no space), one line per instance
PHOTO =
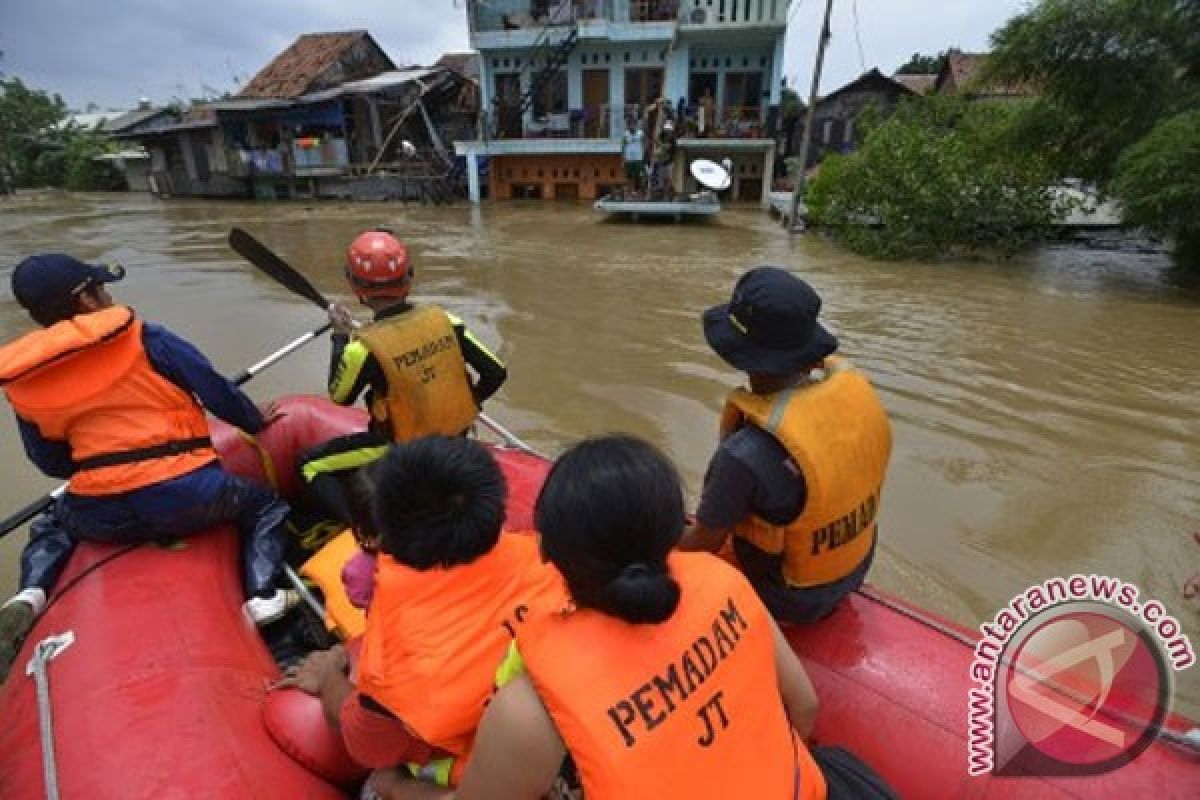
799,696
699,537
517,752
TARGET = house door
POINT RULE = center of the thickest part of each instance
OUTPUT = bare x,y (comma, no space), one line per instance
595,103
507,102
642,87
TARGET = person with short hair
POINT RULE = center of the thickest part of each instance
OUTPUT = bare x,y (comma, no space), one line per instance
116,407
663,677
449,591
797,477
411,363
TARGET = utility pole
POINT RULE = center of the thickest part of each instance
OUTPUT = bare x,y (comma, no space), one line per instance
796,225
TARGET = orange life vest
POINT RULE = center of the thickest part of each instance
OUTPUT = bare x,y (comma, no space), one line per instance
89,382
325,569
837,432
428,391
689,707
434,637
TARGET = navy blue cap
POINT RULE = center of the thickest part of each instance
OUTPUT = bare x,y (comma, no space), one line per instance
770,324
49,278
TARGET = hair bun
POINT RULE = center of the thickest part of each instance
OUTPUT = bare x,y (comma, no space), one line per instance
642,593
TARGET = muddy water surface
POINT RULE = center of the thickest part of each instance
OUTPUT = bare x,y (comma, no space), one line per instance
1045,409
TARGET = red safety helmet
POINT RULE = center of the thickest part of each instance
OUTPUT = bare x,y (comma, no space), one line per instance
377,265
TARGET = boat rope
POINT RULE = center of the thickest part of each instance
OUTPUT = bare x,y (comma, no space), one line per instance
1189,740
46,651
75,581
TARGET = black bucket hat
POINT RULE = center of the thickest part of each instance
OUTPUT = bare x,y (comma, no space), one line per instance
769,325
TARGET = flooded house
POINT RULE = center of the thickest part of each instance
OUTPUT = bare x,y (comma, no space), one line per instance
330,116
561,81
835,116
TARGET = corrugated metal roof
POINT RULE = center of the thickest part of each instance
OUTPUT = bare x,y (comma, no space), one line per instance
384,80
293,72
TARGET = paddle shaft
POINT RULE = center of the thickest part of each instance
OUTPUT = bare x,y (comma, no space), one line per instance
269,262
43,503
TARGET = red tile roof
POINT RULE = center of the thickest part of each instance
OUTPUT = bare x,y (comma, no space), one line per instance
295,71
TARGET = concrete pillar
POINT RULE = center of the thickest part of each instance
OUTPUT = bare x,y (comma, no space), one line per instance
776,73
574,83
677,69
768,176
473,176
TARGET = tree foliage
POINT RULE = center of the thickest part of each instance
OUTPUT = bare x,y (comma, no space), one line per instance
940,177
923,65
1106,70
39,146
1120,85
1158,181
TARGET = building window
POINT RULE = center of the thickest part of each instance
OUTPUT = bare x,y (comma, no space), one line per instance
643,86
826,131
762,62
745,61
743,90
627,58
552,97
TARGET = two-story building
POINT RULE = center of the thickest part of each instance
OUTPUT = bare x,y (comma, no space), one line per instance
561,81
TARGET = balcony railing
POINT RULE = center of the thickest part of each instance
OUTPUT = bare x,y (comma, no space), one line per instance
515,15
595,122
693,15
610,121
725,14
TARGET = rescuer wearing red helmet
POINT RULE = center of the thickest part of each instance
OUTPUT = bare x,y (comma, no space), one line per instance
411,361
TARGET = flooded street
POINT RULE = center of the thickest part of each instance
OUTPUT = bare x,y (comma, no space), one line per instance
1045,410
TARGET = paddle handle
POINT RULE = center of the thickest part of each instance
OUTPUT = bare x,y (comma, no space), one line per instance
23,515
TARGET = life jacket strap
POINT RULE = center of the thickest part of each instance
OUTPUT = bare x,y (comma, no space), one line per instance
175,448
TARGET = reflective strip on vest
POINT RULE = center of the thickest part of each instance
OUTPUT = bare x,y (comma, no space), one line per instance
434,637
88,381
428,391
838,434
689,707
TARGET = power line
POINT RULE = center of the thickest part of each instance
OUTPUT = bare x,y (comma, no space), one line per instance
862,61
795,8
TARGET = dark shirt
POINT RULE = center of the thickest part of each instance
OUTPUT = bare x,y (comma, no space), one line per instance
751,474
345,388
178,361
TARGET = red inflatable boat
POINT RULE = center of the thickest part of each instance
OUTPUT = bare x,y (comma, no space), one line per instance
160,693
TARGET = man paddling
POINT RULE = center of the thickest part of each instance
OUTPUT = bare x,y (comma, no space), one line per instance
116,406
411,362
798,473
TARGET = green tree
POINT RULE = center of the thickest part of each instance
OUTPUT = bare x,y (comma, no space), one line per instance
30,123
1158,181
923,65
1106,70
940,177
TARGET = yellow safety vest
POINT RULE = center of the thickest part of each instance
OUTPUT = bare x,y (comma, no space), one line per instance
428,389
837,432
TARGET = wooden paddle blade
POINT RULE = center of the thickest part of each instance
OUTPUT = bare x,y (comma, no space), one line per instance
267,261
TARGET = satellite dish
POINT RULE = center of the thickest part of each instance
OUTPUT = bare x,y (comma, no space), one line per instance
710,174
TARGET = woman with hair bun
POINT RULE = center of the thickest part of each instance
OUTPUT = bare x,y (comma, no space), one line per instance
663,677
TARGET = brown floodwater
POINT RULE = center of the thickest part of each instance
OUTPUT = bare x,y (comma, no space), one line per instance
1045,409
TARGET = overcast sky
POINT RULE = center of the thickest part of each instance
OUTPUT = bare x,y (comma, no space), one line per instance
113,51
